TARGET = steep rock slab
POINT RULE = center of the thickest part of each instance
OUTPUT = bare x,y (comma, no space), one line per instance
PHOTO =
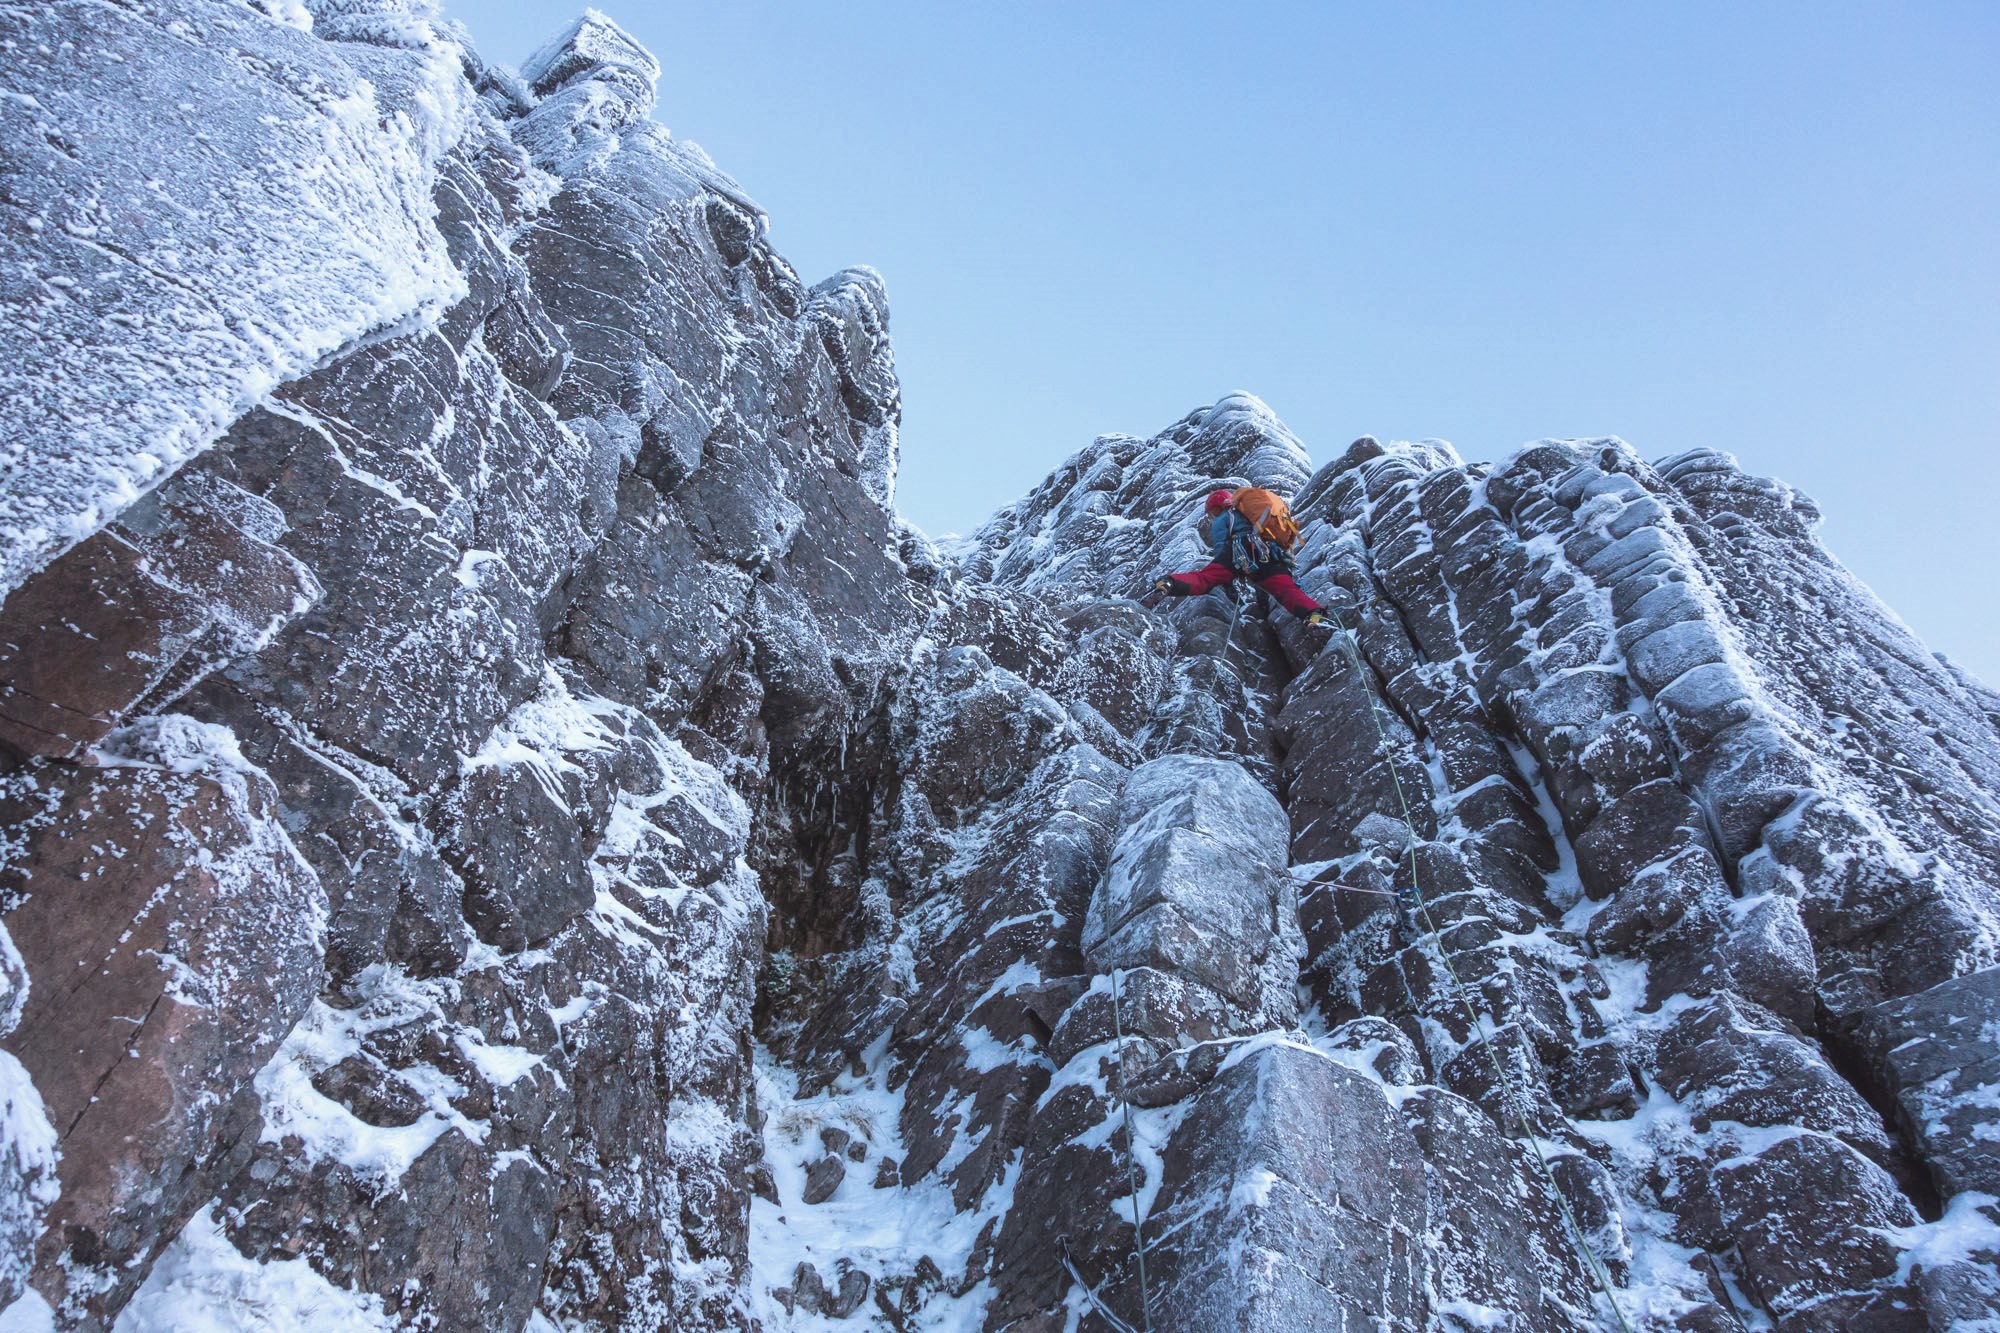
1941,1058
262,143
1591,608
1632,781
437,502
177,937
1190,939
186,580
1668,605
1292,1199
756,418
1196,885
1896,721
1498,1245
993,978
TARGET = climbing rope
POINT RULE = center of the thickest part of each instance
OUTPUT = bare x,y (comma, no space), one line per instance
1516,1099
1132,1176
1229,640
1131,1157
1090,1293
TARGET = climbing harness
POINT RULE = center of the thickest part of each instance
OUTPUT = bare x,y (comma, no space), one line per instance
1131,1158
1516,1100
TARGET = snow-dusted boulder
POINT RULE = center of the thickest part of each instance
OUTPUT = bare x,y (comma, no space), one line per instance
1196,885
174,936
1291,1198
1940,1055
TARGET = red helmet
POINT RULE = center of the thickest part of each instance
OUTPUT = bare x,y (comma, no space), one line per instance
1220,500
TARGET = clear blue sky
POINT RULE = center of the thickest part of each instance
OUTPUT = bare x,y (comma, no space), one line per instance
1770,228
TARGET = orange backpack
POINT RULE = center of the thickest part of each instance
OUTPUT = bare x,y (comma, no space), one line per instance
1267,513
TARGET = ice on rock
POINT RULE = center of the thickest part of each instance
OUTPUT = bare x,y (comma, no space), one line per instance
483,758
851,312
1940,1054
1196,884
177,162
411,23
593,83
1292,1199
594,46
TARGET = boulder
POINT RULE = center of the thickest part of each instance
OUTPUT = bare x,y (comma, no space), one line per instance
176,936
1290,1198
1935,1053
187,580
1725,1059
1812,1218
1196,885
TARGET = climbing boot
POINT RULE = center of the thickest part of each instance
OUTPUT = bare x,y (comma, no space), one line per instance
1316,618
1169,587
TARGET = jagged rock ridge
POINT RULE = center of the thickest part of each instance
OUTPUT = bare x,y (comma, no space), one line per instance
514,832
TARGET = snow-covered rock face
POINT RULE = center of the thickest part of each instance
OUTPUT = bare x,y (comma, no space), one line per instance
202,204
505,828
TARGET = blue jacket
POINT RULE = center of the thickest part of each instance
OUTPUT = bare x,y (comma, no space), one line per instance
1223,530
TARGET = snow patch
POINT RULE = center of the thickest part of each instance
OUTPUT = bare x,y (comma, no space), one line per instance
202,1284
294,1108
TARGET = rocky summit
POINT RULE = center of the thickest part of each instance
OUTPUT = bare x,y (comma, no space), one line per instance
503,827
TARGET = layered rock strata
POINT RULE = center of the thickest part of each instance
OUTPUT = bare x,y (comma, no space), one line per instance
504,827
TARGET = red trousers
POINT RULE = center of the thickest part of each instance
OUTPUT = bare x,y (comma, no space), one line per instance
1280,585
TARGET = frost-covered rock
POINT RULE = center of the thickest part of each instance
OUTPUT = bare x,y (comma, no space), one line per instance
1292,1198
259,143
185,580
528,785
1495,1243
1196,885
1813,1222
1945,1074
174,936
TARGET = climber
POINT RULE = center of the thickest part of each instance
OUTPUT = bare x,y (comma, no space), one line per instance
1250,535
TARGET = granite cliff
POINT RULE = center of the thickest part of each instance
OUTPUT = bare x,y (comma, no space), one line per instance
502,826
